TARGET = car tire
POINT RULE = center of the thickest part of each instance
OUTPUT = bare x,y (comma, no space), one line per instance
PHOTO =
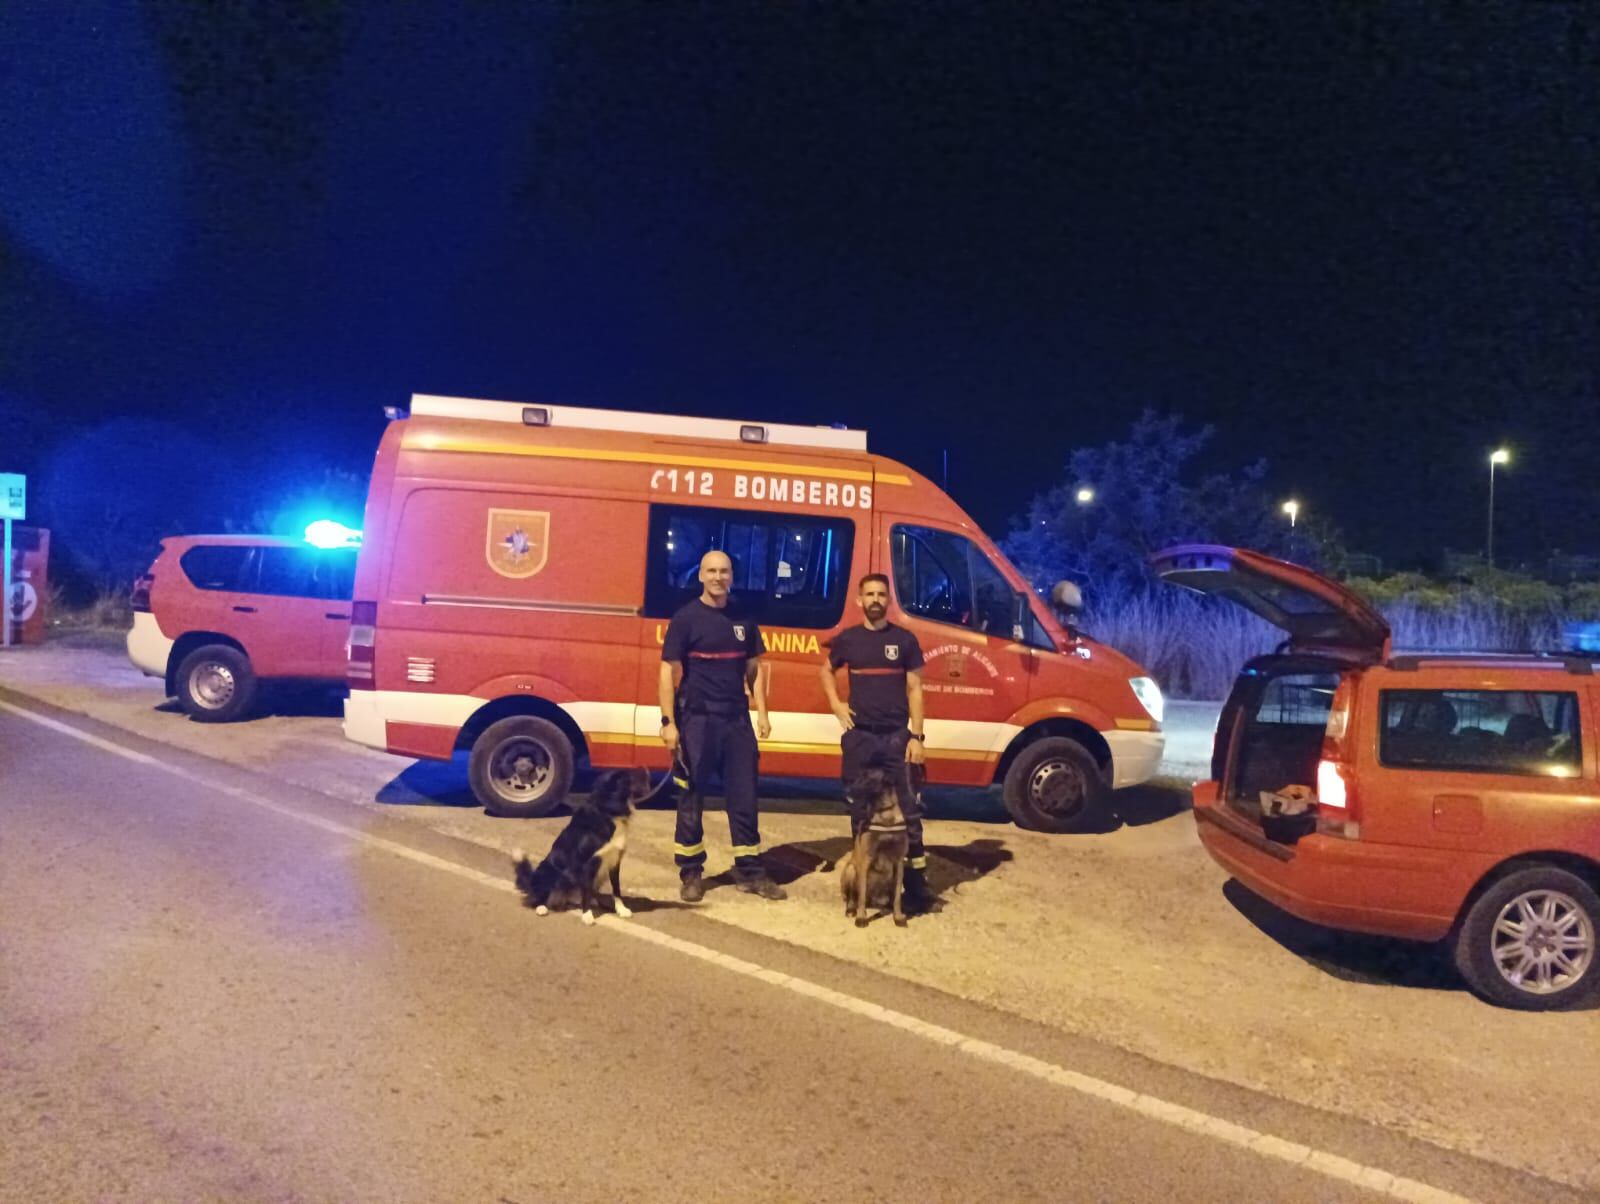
216,684
1561,952
1055,785
521,767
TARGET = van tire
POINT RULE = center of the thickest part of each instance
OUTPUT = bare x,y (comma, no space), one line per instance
507,754
1055,785
216,684
1572,902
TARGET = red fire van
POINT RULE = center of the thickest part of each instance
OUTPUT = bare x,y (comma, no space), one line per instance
521,562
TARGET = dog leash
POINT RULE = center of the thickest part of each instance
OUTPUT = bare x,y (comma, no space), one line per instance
676,777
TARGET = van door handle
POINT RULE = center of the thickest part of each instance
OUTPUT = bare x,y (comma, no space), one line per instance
333,614
245,610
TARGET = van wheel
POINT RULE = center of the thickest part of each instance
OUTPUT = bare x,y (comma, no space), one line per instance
1529,941
521,767
216,684
1055,785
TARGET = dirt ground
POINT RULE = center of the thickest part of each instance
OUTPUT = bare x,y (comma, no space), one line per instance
1130,936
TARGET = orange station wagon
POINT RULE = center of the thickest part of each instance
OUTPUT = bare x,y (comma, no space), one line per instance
1440,796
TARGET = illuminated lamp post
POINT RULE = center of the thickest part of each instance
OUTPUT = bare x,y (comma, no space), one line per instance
1499,456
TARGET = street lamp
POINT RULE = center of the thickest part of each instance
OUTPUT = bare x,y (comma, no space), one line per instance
1292,509
1084,496
1499,455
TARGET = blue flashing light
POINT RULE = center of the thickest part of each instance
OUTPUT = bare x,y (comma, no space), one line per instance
1582,637
326,533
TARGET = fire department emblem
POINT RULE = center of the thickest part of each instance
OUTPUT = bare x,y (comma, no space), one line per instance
518,543
892,651
738,632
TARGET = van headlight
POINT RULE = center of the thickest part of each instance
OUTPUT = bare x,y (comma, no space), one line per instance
1149,696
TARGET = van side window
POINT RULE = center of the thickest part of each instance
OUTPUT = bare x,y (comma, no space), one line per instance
1527,732
945,577
789,570
212,566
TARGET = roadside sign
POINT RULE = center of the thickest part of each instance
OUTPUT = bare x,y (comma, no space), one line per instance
13,505
13,495
24,601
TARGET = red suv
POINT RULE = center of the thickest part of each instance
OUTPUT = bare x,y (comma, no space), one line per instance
215,615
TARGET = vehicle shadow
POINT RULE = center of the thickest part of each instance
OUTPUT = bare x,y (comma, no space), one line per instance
320,702
432,784
1150,803
1349,956
279,700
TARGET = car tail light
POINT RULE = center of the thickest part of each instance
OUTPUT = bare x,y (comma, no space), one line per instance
361,650
1336,793
1336,800
139,598
1331,790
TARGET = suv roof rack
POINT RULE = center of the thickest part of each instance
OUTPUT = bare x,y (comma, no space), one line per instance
1579,664
834,438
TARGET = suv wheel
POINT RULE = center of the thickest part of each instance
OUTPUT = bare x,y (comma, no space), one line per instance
216,684
1529,941
1055,785
521,767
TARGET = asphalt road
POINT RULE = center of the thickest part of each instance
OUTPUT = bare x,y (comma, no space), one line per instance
216,986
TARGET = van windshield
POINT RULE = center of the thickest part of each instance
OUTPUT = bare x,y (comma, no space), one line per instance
945,577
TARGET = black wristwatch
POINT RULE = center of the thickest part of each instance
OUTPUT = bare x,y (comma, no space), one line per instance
666,721
918,737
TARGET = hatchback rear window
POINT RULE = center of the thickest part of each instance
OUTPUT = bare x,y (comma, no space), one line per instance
1526,732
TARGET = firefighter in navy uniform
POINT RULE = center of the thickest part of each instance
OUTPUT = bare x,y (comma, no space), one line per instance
705,718
883,721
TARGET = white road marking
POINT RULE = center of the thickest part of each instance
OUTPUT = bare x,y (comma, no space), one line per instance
1306,1157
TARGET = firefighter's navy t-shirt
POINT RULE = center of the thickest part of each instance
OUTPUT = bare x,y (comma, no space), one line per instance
713,645
878,662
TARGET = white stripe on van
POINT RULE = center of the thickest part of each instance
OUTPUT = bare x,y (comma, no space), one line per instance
626,719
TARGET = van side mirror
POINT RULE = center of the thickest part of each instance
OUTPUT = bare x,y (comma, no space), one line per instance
1066,599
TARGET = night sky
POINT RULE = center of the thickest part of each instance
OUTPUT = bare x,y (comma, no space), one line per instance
1360,239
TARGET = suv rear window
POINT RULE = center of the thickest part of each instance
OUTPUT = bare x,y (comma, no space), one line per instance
1534,733
210,566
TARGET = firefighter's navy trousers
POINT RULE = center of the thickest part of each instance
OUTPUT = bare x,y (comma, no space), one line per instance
718,746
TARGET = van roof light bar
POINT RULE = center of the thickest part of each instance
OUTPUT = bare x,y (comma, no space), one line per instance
638,423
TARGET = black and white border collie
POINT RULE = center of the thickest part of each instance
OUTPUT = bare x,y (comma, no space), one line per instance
588,851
